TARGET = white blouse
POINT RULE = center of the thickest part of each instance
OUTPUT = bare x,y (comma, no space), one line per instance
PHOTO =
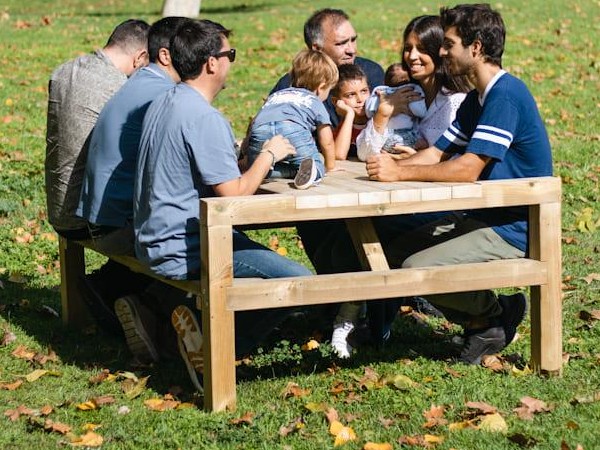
440,115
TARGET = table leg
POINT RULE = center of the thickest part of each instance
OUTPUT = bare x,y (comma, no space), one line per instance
546,301
367,245
72,266
217,322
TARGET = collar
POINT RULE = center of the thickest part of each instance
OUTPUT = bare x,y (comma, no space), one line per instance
490,85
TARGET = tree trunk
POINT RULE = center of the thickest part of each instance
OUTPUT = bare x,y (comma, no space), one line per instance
183,8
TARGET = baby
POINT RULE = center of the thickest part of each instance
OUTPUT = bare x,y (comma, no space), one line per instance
402,127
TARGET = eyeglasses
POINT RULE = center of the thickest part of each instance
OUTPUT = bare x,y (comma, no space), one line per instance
229,53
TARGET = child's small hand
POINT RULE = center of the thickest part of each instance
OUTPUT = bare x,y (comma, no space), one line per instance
342,109
401,151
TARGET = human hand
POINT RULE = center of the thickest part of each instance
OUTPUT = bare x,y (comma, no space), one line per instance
402,151
401,99
342,109
382,167
279,147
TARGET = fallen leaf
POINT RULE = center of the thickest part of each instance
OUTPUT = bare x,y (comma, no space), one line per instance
310,345
386,423
8,338
102,376
462,425
89,439
133,388
91,426
434,416
483,407
332,415
11,386
343,434
493,423
46,410
530,406
86,406
401,382
315,407
23,352
246,419
56,427
492,362
161,404
293,390
103,400
35,375
376,446
21,410
282,251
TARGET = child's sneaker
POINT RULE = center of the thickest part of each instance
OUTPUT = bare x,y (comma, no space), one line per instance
339,339
306,175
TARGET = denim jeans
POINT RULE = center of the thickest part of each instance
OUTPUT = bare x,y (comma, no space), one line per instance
250,260
302,140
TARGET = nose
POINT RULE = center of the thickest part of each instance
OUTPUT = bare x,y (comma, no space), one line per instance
351,47
443,52
413,55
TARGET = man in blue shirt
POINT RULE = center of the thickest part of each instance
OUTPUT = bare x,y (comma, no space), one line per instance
498,134
187,152
106,200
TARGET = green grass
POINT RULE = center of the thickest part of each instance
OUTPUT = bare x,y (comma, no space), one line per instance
552,46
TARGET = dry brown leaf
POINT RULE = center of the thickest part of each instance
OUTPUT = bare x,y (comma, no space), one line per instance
161,404
482,407
11,386
7,338
46,410
86,406
42,358
386,423
295,425
332,415
103,400
493,362
56,427
23,352
293,390
434,416
133,388
102,376
455,426
246,419
530,406
21,410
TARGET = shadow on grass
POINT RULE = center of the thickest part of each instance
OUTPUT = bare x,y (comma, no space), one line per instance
30,309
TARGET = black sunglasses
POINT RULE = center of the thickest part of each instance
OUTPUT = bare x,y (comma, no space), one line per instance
229,53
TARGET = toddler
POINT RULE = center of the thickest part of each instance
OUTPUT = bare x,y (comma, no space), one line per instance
296,113
402,128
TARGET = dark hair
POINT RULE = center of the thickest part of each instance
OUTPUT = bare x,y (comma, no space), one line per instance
130,36
160,34
348,72
391,78
478,22
430,34
313,27
192,45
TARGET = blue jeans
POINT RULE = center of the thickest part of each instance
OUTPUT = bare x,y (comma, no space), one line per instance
250,260
302,140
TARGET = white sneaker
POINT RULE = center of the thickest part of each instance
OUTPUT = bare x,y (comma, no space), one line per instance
306,175
339,339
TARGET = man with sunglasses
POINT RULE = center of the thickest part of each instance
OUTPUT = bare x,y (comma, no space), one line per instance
187,152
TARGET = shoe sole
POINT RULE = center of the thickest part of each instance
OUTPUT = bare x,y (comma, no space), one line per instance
189,341
307,172
518,310
137,338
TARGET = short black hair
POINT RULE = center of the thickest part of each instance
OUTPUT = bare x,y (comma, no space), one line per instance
160,34
313,27
130,36
478,22
193,43
348,72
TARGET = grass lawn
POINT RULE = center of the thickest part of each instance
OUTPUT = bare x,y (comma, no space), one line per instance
60,386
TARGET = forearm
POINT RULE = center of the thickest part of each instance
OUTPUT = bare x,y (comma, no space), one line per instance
249,181
344,138
369,141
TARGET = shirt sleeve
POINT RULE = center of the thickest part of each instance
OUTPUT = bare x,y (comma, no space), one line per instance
369,141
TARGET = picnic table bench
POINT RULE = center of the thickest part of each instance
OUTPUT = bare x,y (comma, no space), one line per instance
349,195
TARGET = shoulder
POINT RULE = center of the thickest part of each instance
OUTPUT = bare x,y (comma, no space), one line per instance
367,64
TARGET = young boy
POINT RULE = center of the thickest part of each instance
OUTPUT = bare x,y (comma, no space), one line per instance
296,113
401,129
349,97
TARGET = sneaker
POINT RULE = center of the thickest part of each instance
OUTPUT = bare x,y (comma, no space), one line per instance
189,340
306,175
514,309
420,305
138,323
478,343
339,339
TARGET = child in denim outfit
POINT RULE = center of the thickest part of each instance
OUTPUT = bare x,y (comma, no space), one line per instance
297,113
402,126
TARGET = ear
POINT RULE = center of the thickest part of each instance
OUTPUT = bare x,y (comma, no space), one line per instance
476,48
140,59
315,46
211,64
164,57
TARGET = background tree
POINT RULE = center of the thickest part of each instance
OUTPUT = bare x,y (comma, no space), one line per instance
184,8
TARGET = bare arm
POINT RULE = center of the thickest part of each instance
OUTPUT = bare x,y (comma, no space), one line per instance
327,145
273,150
344,137
427,165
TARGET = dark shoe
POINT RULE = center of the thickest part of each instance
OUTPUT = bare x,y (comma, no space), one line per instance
101,306
139,327
514,309
482,342
420,305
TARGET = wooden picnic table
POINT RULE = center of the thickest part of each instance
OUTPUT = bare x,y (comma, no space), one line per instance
349,195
